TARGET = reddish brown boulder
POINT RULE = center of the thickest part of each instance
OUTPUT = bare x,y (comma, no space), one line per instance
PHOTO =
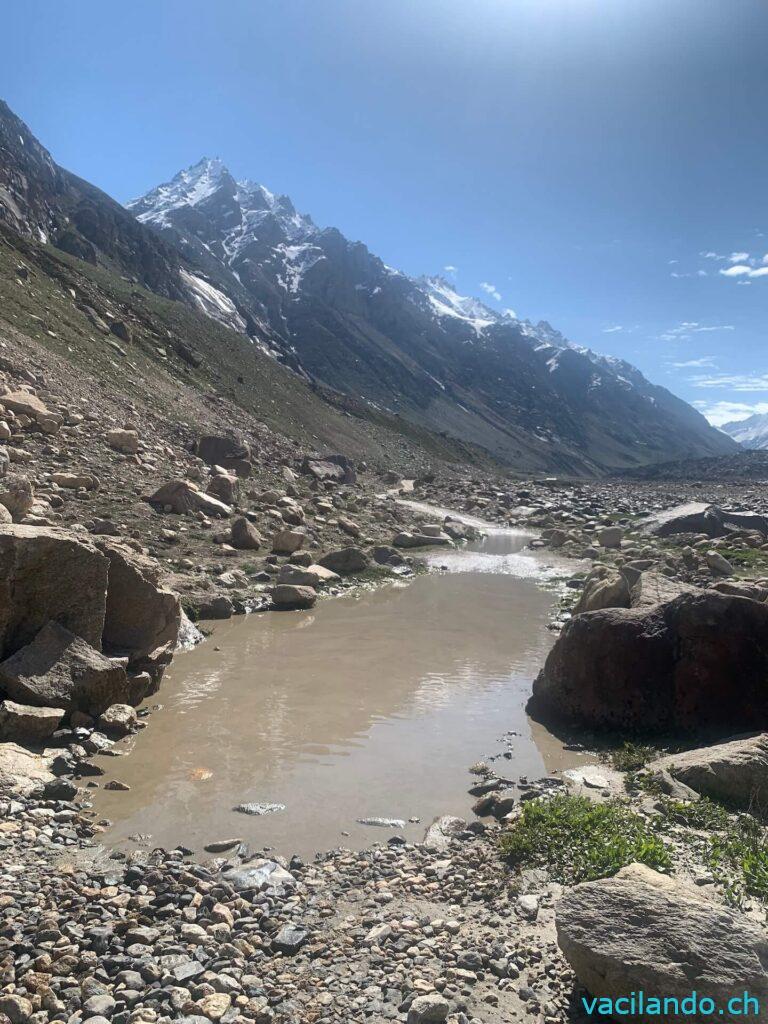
700,660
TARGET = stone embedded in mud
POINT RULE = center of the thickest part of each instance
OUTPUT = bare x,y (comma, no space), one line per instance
670,667
643,931
60,670
610,537
23,723
220,607
46,574
258,810
382,822
440,833
224,487
288,597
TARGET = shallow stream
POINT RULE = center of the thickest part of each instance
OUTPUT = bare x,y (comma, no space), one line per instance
372,705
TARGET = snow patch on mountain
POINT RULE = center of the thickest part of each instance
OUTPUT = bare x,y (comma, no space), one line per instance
750,433
213,302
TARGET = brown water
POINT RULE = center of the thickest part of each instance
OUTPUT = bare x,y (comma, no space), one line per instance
371,705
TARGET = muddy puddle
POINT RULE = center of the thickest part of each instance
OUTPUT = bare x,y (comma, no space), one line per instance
368,706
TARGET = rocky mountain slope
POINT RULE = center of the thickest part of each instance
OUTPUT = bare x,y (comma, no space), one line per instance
749,433
410,352
417,347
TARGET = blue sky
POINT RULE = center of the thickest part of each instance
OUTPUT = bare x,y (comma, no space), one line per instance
600,164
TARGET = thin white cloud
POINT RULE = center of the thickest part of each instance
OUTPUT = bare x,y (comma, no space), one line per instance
613,330
719,413
685,329
510,313
696,363
734,381
450,269
491,289
738,257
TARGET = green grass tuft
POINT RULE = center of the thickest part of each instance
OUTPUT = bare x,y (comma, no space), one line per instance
578,840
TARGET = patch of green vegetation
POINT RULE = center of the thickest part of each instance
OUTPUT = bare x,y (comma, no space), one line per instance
754,559
739,859
578,840
642,782
735,847
631,757
703,814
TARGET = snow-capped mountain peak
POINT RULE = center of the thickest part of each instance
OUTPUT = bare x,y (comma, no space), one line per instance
446,302
751,432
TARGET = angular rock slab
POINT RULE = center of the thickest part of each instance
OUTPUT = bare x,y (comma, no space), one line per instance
60,670
735,772
46,574
26,724
641,930
140,616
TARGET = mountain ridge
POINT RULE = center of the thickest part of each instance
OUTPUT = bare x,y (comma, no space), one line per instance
751,433
344,321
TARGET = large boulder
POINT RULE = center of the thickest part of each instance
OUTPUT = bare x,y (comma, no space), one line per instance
734,772
47,574
697,517
25,404
641,931
286,542
345,560
182,496
224,487
141,617
336,468
693,517
289,597
60,670
23,723
306,575
22,771
405,539
244,536
652,588
699,660
228,452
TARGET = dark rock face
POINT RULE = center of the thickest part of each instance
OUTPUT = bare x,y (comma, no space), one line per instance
140,617
226,452
41,200
442,360
700,660
60,670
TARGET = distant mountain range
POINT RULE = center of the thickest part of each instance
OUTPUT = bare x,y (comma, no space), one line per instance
749,433
339,317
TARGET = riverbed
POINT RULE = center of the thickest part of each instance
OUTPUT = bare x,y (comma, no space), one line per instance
371,705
